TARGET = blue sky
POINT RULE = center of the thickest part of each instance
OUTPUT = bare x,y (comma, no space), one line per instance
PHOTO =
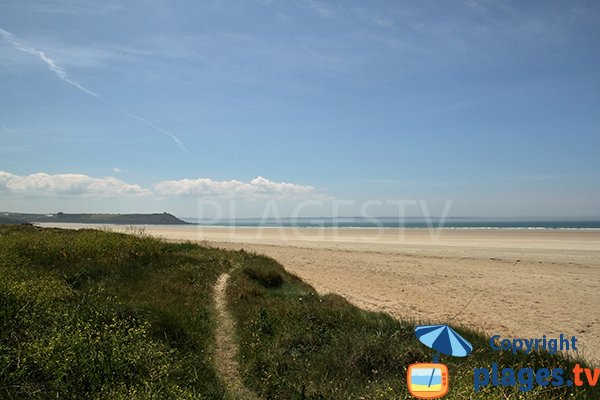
160,105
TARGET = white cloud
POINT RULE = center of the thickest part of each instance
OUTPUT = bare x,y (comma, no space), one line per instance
68,185
78,185
257,188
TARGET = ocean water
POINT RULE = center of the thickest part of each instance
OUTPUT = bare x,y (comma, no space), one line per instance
392,222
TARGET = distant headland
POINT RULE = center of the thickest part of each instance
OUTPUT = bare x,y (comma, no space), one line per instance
117,219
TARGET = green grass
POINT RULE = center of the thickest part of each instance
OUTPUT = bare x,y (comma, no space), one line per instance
296,344
99,315
91,314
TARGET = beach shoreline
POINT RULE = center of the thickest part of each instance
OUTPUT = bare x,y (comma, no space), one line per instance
510,282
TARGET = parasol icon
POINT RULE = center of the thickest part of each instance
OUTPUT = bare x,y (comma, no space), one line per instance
443,339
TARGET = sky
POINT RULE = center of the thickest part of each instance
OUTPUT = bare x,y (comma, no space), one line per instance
307,107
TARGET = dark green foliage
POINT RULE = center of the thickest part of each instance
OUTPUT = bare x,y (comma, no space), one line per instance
264,271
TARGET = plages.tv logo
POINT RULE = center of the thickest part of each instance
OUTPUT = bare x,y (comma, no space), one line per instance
431,380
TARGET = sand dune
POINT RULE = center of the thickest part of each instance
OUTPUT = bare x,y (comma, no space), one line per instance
519,283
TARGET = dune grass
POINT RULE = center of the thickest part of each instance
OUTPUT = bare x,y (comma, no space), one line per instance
296,344
91,314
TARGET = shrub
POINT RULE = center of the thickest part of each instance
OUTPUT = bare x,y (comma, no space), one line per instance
265,274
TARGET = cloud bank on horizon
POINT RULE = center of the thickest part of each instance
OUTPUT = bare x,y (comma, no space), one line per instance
67,185
79,185
257,188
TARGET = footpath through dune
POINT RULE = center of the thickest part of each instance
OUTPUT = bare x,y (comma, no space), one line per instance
226,351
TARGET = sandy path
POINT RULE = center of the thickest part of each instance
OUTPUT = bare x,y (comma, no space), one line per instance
226,347
526,283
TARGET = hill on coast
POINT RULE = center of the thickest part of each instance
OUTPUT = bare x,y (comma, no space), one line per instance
117,219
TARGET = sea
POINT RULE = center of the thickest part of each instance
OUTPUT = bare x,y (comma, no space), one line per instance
408,222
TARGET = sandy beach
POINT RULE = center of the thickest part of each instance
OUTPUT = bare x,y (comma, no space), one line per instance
511,282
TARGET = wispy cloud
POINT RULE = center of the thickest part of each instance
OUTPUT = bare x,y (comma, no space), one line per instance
68,185
178,142
257,188
52,66
62,74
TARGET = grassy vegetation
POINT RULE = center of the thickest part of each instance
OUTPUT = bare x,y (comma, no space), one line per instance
296,344
100,315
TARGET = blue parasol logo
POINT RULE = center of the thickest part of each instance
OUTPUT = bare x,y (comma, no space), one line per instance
443,339
431,380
